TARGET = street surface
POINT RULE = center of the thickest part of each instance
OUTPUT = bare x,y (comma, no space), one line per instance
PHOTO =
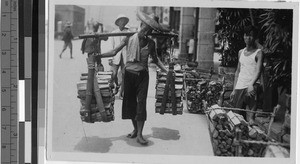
185,134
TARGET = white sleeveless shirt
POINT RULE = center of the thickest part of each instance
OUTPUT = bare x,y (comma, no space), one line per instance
247,69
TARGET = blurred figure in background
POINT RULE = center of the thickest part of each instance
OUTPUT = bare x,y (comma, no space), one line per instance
67,38
119,60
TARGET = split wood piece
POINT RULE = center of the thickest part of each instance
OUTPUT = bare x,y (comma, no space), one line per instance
217,114
276,151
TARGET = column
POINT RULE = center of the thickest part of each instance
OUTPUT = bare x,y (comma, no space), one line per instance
206,30
186,31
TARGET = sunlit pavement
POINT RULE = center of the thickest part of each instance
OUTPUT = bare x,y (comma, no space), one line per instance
185,134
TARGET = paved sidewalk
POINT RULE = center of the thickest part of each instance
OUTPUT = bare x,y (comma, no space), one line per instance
185,134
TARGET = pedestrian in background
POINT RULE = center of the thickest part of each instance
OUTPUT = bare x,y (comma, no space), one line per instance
136,77
67,38
247,74
119,60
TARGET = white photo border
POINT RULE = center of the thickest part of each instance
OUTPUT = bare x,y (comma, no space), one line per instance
121,158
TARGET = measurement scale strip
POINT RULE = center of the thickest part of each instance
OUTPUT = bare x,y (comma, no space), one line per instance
9,81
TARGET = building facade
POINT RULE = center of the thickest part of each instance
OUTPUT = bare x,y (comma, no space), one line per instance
69,13
196,29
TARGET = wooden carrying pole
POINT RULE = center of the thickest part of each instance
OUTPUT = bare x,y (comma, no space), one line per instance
105,35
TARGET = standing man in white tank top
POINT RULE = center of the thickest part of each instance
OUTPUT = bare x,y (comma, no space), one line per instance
247,74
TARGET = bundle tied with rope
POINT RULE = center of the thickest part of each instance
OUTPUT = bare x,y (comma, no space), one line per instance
169,88
98,105
232,135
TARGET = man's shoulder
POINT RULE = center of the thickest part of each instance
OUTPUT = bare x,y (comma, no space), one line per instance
259,50
241,50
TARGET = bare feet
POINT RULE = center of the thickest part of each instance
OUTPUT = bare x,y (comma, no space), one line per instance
133,134
141,140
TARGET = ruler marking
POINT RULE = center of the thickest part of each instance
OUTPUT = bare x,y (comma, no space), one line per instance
9,88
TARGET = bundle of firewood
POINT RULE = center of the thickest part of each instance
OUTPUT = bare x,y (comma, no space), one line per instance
195,93
161,79
232,135
213,92
254,149
108,98
200,88
222,132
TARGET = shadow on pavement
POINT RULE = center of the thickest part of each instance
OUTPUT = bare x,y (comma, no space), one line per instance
94,144
165,133
133,142
102,145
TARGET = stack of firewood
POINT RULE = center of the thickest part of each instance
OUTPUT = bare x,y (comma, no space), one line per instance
200,88
161,79
222,132
195,93
249,133
229,130
108,98
254,149
213,91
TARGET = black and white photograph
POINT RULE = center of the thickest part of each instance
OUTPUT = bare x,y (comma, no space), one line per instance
151,82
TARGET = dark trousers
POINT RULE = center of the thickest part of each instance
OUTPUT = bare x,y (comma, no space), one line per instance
135,95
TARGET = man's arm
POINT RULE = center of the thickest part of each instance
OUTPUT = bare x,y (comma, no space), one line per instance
114,51
161,66
156,60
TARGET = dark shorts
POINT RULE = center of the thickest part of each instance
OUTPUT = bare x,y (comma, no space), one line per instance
135,95
241,99
68,44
